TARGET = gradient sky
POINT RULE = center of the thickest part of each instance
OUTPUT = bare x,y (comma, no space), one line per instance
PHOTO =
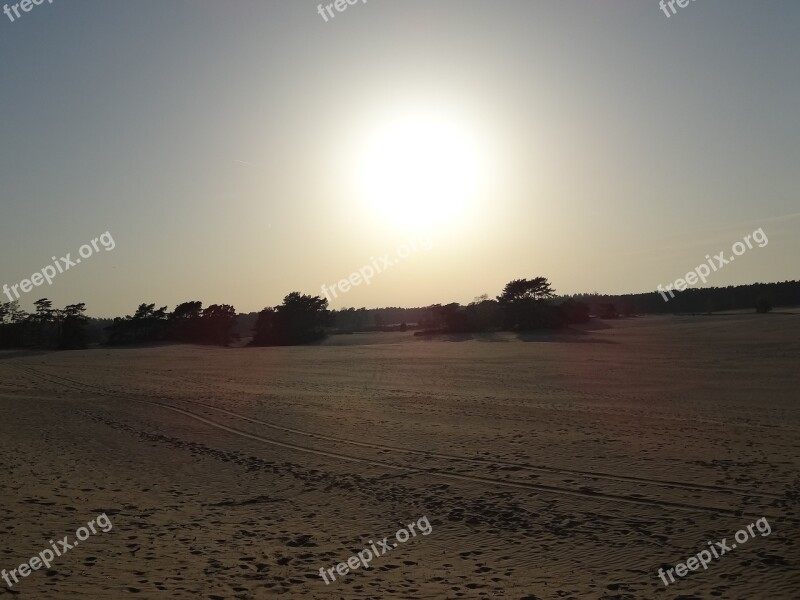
221,144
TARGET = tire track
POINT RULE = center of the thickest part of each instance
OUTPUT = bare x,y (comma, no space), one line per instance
470,478
582,494
596,475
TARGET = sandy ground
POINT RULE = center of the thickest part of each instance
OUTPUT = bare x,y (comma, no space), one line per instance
549,466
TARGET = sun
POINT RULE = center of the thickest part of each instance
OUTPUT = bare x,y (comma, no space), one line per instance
420,170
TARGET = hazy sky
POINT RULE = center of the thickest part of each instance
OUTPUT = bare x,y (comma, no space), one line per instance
238,150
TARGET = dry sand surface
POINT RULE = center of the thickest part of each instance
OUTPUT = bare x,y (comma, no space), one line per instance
549,466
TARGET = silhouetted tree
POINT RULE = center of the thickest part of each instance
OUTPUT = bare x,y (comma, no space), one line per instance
13,321
149,323
185,322
537,288
43,323
73,329
524,304
146,325
265,331
483,314
217,322
299,320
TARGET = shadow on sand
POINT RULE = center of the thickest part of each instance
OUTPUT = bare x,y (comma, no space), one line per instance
574,336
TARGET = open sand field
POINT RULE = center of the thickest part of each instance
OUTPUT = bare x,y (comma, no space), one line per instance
562,466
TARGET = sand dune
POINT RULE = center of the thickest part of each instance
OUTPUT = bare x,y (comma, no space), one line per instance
550,466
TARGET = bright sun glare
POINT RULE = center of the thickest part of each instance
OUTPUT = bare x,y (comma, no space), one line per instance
421,171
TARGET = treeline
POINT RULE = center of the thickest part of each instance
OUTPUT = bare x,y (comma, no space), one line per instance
355,319
299,319
758,296
189,322
524,304
762,296
47,327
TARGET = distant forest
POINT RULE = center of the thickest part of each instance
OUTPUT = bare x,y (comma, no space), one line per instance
523,305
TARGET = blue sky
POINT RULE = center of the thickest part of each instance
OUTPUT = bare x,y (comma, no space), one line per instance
221,143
